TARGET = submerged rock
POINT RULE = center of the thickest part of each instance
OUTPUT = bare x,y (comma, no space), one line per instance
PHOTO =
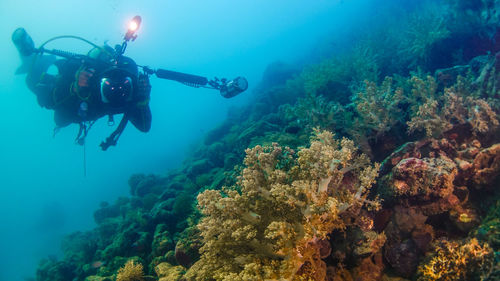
53,270
403,257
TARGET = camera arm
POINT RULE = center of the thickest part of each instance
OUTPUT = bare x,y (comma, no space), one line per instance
227,88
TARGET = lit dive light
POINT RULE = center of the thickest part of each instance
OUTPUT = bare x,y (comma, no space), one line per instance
133,26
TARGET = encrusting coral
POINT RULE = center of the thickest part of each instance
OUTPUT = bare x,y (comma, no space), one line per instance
274,224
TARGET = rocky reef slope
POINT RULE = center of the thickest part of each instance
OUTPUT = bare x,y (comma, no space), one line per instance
362,166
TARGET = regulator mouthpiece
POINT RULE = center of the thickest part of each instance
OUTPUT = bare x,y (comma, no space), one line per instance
234,87
133,26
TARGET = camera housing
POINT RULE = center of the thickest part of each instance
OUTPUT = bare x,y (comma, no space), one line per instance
234,87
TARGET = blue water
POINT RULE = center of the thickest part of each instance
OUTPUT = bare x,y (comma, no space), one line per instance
43,192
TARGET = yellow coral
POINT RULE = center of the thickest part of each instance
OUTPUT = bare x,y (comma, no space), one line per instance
168,272
272,223
131,271
457,261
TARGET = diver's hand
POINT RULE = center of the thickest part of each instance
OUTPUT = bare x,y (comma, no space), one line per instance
84,76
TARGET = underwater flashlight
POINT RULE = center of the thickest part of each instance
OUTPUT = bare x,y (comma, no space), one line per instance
133,26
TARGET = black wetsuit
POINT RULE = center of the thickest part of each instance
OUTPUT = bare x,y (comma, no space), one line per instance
62,94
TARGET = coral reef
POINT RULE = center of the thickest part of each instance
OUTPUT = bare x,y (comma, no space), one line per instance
304,209
432,184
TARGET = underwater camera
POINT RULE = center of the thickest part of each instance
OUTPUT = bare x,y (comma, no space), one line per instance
233,87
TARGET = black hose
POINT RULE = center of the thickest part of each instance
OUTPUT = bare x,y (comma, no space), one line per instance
69,36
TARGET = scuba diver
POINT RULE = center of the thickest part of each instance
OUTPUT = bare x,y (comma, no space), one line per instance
103,82
82,93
